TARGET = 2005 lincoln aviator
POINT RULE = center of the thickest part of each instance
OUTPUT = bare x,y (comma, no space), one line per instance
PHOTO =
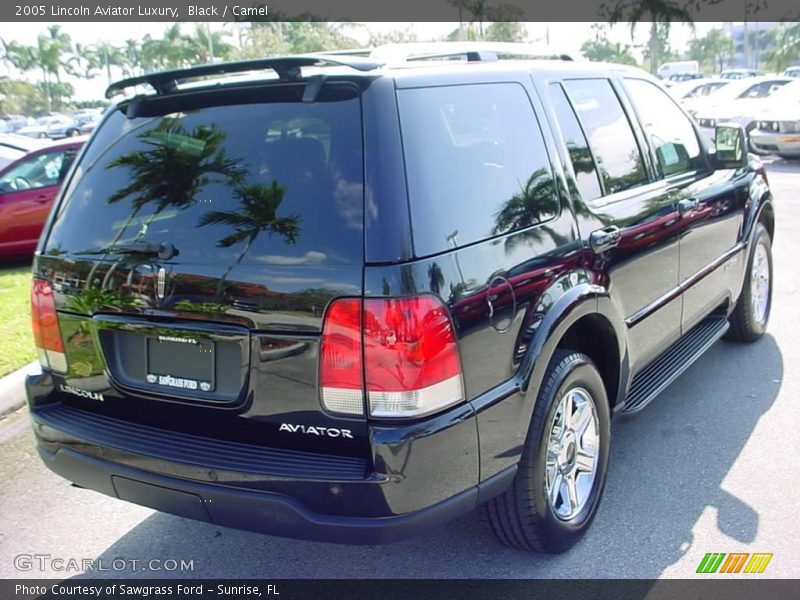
328,298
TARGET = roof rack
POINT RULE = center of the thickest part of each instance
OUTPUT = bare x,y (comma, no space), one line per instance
393,54
286,67
362,59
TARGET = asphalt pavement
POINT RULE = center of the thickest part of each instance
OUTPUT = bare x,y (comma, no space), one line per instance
713,465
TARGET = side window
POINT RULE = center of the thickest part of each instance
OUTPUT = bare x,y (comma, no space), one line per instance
610,135
36,172
476,164
671,133
577,146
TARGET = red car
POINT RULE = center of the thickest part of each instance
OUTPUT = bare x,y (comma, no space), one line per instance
28,187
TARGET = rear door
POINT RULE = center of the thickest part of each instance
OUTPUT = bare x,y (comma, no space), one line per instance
710,204
195,252
627,219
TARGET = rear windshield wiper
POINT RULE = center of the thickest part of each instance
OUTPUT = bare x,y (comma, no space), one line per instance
164,250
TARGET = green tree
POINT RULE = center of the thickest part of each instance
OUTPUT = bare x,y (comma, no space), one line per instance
108,55
54,50
506,31
132,52
787,48
713,50
605,51
659,13
398,36
21,97
277,34
207,45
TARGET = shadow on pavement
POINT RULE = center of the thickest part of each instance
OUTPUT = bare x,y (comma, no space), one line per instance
667,468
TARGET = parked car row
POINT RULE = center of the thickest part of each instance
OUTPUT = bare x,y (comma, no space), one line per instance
766,106
52,125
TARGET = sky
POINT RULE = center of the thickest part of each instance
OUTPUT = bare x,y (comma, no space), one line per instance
564,37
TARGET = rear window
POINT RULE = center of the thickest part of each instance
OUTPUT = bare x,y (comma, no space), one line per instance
476,164
271,183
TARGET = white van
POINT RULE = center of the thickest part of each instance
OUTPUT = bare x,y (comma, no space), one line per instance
683,66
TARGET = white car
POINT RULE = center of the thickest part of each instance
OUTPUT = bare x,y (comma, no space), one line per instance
743,107
696,88
777,130
735,89
671,68
13,147
53,127
738,73
792,71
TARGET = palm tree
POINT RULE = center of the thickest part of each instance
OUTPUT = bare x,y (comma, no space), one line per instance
207,46
258,207
633,11
535,203
83,62
170,173
108,55
132,54
54,52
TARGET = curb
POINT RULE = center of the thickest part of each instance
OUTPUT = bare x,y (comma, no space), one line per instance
12,388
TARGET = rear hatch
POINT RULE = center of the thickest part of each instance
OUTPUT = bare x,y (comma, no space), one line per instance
192,257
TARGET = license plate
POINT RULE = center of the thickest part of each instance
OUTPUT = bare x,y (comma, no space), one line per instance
180,363
790,138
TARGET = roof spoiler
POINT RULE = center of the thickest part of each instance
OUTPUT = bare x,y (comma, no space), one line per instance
286,67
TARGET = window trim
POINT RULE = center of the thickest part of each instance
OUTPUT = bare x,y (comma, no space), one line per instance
638,136
601,184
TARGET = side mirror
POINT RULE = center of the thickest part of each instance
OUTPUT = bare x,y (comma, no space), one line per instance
731,147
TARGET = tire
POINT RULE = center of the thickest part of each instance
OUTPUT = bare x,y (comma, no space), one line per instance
72,132
523,517
750,316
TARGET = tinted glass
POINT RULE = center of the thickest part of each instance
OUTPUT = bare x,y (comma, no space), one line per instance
671,133
273,183
35,172
610,135
476,164
577,146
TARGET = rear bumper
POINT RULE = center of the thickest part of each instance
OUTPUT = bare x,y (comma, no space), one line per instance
262,512
419,475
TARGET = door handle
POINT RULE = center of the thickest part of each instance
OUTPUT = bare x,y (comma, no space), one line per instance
604,239
42,199
687,206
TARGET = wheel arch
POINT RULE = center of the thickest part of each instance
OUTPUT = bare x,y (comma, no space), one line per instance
585,320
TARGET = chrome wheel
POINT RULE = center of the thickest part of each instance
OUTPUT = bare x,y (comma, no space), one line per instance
759,284
572,446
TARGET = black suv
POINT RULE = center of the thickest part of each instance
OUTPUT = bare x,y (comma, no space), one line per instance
326,298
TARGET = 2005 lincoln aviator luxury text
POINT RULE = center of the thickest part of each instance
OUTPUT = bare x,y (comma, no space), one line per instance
344,299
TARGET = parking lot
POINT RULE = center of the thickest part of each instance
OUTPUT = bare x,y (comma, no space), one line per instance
712,466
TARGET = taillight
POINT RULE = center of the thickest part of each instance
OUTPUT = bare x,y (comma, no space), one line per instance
411,365
341,378
46,332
